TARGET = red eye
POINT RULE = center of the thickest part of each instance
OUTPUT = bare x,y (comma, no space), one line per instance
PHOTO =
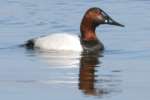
97,11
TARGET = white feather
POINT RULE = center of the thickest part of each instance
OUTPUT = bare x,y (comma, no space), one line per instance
59,41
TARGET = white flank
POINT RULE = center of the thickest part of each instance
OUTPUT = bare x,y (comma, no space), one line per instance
59,41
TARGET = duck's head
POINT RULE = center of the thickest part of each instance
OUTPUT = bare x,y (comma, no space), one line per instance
93,18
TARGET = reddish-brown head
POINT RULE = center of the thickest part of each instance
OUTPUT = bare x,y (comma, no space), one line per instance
92,18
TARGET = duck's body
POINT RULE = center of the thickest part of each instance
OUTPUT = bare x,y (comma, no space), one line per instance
68,42
64,42
57,41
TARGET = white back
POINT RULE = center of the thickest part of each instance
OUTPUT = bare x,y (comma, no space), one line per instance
59,41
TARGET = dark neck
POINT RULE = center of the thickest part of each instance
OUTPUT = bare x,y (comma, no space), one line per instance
87,29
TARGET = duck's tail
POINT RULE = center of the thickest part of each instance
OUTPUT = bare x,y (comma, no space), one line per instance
29,44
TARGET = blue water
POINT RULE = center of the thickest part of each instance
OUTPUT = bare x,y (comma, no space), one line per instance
121,72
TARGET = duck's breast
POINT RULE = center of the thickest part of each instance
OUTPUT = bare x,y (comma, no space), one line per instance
59,41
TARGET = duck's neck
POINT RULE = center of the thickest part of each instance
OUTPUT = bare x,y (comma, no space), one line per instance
87,29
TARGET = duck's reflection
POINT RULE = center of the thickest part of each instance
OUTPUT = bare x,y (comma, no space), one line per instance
87,77
91,81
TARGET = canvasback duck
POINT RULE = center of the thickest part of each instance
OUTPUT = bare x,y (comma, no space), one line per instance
68,42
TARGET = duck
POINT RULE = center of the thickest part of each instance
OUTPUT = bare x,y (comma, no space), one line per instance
87,41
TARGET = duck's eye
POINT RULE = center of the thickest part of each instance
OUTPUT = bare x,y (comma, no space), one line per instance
97,12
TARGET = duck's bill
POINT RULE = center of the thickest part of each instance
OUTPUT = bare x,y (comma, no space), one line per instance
110,21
